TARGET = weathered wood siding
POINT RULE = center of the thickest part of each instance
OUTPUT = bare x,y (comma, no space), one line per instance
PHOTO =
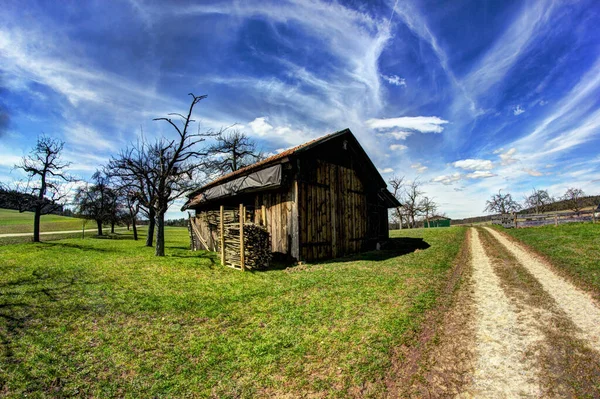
333,217
278,207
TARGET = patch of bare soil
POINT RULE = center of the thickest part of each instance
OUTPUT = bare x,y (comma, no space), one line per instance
579,306
505,337
439,363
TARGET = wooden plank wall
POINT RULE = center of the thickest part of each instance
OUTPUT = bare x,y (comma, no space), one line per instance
278,206
332,211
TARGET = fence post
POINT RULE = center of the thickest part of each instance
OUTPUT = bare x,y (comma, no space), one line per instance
515,219
556,220
242,217
222,237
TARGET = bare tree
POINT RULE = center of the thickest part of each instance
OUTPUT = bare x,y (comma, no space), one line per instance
232,151
397,184
501,203
95,201
412,201
46,177
135,168
539,200
428,207
175,167
574,198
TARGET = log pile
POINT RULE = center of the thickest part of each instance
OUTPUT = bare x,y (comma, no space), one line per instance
257,246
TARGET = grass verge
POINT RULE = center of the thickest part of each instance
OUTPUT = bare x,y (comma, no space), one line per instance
105,318
574,249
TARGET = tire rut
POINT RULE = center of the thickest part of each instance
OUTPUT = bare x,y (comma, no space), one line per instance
577,304
505,339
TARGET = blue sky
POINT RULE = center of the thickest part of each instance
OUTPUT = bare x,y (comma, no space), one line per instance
469,97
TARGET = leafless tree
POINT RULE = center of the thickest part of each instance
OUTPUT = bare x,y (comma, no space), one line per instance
175,166
95,201
134,169
539,200
574,198
397,184
232,151
412,201
46,173
501,203
428,207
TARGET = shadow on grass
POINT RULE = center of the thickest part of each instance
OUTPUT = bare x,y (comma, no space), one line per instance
26,300
78,246
393,248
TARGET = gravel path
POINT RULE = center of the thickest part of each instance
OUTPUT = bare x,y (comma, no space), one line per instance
577,304
503,336
54,232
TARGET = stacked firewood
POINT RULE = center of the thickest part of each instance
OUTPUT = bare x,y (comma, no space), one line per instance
257,246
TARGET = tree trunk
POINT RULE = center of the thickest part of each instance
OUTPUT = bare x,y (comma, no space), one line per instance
112,227
36,224
99,224
135,237
160,234
151,222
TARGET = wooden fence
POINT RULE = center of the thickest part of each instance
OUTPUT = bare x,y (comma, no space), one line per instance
515,220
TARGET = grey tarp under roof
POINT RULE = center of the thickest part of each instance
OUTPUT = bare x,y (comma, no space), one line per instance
262,179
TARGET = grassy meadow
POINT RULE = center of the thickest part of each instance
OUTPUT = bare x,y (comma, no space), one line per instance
13,221
105,318
574,248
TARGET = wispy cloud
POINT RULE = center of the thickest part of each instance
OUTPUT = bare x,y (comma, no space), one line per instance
474,164
508,157
518,110
419,167
398,147
394,80
423,124
447,179
480,174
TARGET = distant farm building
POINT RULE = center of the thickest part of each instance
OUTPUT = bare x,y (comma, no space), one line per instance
437,221
319,200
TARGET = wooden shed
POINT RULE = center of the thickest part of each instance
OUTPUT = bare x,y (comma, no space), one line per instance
319,200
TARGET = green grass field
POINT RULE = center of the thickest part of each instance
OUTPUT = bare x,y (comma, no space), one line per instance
574,248
105,318
12,221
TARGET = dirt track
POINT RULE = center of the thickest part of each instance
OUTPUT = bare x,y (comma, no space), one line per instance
536,334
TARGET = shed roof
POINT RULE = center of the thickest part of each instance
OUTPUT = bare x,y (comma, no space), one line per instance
195,197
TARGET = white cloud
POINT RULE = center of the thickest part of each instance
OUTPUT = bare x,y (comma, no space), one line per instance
518,110
386,170
419,167
447,179
260,126
394,80
532,172
278,134
480,174
398,147
473,164
508,157
400,135
542,103
423,124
